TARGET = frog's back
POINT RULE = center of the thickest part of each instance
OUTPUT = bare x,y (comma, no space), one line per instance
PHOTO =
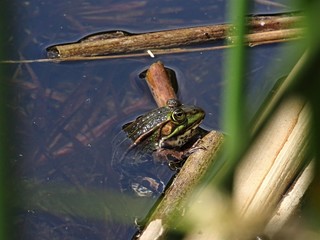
146,123
133,143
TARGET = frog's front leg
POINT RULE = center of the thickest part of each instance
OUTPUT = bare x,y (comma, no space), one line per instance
174,157
167,155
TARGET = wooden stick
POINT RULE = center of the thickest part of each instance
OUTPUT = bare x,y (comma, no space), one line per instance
141,42
159,84
169,38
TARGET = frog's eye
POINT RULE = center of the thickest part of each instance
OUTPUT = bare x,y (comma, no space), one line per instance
178,116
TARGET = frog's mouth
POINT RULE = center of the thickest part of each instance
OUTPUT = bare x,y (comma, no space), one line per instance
180,139
196,121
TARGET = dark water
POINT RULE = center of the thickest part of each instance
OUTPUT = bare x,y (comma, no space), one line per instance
66,114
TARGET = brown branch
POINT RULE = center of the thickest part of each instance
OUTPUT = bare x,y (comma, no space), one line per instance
173,203
141,42
170,38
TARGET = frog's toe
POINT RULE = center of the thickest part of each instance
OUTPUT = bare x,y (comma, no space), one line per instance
175,165
191,150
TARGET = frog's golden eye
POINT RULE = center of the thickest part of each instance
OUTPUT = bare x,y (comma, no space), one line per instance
178,116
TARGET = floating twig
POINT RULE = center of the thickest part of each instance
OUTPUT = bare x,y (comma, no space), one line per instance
175,38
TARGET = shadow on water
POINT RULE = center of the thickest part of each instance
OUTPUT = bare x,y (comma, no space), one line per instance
68,113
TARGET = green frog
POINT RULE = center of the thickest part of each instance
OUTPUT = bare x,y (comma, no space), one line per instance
160,134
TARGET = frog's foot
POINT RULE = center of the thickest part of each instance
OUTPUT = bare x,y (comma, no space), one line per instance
191,150
168,155
142,186
175,158
194,148
175,165
147,186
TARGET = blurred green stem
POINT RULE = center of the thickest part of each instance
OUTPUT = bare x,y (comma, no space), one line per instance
234,120
5,220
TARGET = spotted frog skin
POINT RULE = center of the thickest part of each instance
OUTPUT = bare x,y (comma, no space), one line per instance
161,132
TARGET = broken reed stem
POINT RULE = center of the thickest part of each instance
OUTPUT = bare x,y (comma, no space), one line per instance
274,161
290,201
179,37
270,104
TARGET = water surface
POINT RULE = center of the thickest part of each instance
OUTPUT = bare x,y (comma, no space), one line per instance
66,114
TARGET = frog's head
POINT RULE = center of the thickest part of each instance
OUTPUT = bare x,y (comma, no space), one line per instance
172,125
182,120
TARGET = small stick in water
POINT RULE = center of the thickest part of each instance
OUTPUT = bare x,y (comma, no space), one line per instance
159,84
